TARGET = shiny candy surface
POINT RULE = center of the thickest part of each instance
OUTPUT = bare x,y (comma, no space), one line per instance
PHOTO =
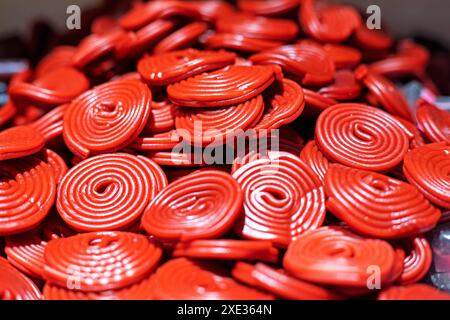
16,286
434,122
18,142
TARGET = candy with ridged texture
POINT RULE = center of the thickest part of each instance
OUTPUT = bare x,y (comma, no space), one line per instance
417,261
434,122
238,42
183,38
313,157
16,286
344,88
268,7
157,141
18,142
344,57
50,125
162,117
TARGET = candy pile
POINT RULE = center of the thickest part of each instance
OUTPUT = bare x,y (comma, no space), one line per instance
107,187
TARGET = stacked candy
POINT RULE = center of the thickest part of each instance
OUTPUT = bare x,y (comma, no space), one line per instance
107,193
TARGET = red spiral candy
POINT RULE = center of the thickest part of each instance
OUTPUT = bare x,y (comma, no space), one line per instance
434,122
16,286
162,117
201,205
418,259
18,142
413,132
372,39
183,38
313,157
50,125
417,291
158,141
344,88
236,41
361,136
57,164
268,7
60,56
377,205
344,57
107,118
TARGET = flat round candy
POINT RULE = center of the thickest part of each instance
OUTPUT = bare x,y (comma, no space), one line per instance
417,291
307,61
227,250
427,168
377,205
417,261
202,205
228,86
315,103
416,137
50,125
57,164
344,88
344,57
203,126
107,118
361,136
16,286
170,67
268,7
372,39
99,261
183,38
18,142
335,256
162,117
434,122
283,198
108,192
27,192
157,141
313,157
174,158
238,42
280,283
60,56
187,280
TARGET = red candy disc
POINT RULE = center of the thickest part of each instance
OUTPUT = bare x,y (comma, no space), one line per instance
411,130
344,57
413,292
283,198
15,286
344,88
428,168
107,118
201,205
362,137
268,7
60,56
418,259
236,41
335,256
162,117
99,261
18,142
312,156
186,280
372,39
183,38
50,125
170,67
231,85
434,122
108,192
377,205
158,141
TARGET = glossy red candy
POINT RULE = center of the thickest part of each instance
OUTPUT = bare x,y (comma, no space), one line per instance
188,280
268,7
108,192
427,168
107,118
344,57
344,88
283,198
413,292
182,38
57,164
16,286
372,39
157,141
434,122
417,261
316,103
377,205
227,250
162,117
361,136
417,139
60,56
99,261
18,142
50,125
313,157
170,67
228,86
335,256
201,205
238,42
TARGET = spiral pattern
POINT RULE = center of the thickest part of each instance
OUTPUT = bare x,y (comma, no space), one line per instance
377,205
201,205
307,61
268,8
227,250
162,117
15,286
108,192
362,137
183,38
27,192
107,118
344,88
158,141
434,122
170,67
230,85
238,42
202,126
335,256
280,283
428,168
18,142
418,259
417,291
182,279
312,156
344,57
283,198
99,261
50,125
57,164
285,104
416,137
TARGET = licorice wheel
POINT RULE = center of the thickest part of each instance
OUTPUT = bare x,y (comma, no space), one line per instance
227,86
285,104
203,126
173,158
210,11
170,67
183,38
107,117
372,39
236,41
315,103
157,141
377,205
427,168
344,87
417,139
418,291
344,57
162,117
361,136
268,7
57,164
280,283
434,122
60,56
225,249
20,141
50,125
16,286
108,192
313,157
188,280
336,256
417,260
307,61
99,261
283,198
27,193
